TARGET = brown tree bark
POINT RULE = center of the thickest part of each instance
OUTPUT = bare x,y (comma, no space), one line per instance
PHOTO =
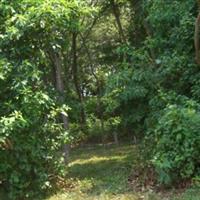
56,61
116,13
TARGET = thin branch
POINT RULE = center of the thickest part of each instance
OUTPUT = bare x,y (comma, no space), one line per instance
88,32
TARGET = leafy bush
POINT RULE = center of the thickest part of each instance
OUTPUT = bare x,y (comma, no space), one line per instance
30,135
177,142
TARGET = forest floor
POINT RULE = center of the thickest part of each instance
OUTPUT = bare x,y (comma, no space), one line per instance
101,173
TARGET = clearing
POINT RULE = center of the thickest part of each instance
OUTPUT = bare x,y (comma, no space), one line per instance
101,173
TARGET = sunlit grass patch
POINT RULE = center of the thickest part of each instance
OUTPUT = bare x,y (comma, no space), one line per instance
76,196
99,173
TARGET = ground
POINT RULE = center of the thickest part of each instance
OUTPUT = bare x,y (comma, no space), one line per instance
101,173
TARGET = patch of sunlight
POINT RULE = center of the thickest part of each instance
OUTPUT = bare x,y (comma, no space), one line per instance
102,174
99,174
81,196
85,184
96,159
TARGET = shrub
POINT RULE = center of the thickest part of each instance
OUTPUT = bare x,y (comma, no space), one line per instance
177,143
30,134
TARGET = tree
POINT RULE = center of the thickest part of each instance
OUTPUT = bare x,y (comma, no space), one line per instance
33,44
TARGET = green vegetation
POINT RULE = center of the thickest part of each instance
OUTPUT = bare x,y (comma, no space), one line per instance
77,72
101,173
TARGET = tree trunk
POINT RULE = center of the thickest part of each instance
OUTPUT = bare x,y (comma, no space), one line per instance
56,60
115,137
116,13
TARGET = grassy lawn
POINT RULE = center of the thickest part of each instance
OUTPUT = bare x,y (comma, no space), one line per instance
101,174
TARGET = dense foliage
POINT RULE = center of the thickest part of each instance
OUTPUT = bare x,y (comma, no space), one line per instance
125,68
31,132
30,136
177,141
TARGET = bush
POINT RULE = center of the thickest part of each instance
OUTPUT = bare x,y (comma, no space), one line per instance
30,135
177,143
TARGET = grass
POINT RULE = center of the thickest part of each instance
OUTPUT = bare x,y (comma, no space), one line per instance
100,173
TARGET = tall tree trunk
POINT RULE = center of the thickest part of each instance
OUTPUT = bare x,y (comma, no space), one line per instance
75,76
116,13
56,60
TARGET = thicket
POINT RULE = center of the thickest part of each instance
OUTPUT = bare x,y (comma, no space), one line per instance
33,111
125,68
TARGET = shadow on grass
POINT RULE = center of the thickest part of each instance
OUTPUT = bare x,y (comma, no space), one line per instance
102,170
